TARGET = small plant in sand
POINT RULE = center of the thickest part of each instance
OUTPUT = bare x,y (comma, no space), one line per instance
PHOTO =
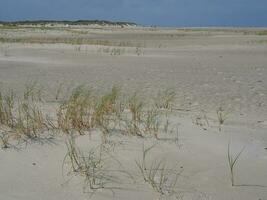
222,116
165,99
92,166
104,50
157,175
72,154
59,91
6,109
201,120
232,161
151,122
142,119
138,51
4,139
33,92
117,51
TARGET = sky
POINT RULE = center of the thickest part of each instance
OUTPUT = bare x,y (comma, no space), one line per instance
175,13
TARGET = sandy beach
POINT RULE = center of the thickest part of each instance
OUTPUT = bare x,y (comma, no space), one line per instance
213,74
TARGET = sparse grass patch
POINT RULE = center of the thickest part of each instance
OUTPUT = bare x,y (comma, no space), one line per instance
24,117
161,179
69,40
201,120
136,106
165,99
138,51
152,122
93,166
33,92
261,32
117,51
142,119
82,111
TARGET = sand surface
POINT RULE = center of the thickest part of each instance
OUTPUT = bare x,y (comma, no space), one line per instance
207,68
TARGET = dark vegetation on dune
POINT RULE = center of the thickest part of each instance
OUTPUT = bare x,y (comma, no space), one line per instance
67,22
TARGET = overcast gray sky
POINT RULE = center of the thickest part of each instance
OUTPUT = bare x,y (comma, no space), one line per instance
145,12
